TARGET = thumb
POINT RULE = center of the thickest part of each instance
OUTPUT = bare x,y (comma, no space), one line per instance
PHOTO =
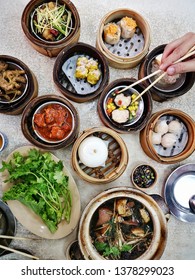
182,67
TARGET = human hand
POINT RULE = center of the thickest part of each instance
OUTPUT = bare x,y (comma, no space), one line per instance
175,50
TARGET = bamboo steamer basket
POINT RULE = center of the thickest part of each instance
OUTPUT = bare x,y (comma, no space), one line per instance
44,47
117,61
157,94
115,164
17,107
146,135
64,84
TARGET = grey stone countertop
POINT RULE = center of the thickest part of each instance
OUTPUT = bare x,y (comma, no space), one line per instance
168,20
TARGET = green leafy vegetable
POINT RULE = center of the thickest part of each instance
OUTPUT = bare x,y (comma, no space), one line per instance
39,183
112,251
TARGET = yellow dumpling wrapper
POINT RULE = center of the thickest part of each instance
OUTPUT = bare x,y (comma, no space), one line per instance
81,72
82,61
93,76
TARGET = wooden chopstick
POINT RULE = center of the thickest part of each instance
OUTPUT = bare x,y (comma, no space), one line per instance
151,85
141,80
18,252
188,54
18,237
164,73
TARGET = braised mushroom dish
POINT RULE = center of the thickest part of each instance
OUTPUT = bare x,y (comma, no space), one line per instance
121,229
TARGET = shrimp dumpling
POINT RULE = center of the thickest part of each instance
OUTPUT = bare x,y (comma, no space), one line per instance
156,138
112,33
161,127
168,140
128,26
175,127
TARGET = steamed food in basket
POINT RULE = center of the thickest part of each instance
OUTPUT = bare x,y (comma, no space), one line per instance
13,82
51,21
125,29
83,72
121,107
87,69
169,136
123,37
53,122
93,152
167,83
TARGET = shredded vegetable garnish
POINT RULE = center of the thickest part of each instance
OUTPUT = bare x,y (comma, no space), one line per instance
52,21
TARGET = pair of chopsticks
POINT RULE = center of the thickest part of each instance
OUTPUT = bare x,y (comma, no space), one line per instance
188,54
14,250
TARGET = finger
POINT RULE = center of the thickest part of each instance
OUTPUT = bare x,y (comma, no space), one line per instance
182,67
169,48
177,49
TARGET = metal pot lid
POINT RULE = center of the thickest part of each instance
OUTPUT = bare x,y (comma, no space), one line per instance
179,192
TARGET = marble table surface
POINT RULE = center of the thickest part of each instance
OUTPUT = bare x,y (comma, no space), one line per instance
168,20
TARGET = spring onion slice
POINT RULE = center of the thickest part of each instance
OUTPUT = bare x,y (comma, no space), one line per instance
58,18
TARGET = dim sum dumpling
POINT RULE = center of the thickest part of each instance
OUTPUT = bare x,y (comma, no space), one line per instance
92,64
81,72
175,127
120,116
128,26
112,33
156,138
161,127
122,100
93,76
168,140
82,61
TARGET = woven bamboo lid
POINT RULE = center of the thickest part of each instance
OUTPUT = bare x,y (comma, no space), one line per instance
115,164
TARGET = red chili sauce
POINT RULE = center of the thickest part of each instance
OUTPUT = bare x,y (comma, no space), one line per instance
53,122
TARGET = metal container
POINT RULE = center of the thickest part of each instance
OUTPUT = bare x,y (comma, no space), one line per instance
3,141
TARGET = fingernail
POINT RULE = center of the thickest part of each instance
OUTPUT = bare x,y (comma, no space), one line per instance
170,70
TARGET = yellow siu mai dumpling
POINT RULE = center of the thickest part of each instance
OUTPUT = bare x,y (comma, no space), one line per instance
81,72
82,61
92,64
93,76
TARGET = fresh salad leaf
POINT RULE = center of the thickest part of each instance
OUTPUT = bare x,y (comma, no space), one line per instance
39,183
